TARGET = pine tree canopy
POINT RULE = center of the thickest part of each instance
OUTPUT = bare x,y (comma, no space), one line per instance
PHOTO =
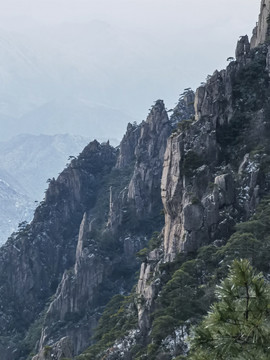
237,326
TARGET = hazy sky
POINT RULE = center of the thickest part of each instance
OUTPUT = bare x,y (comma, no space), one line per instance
158,47
136,12
197,27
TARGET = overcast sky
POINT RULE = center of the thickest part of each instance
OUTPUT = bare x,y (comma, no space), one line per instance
212,26
177,42
146,13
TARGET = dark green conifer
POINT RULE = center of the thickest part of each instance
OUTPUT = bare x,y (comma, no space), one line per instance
238,324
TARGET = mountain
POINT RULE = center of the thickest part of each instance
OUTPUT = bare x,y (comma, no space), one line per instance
15,205
26,162
35,91
76,116
185,195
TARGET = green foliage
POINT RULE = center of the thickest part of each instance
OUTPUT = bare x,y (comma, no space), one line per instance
188,283
191,162
180,299
185,124
108,243
118,318
195,200
231,133
250,90
238,325
155,241
142,254
28,344
187,288
250,85
162,326
47,350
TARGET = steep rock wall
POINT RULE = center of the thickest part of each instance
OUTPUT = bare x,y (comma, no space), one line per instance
134,198
142,149
198,184
32,262
144,187
261,31
214,171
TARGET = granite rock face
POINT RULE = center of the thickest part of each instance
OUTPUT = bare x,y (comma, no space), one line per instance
128,145
60,350
33,260
200,187
80,248
214,173
75,294
184,109
261,31
144,187
110,234
142,151
76,300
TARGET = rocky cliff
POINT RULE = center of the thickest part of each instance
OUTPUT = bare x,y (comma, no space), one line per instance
261,31
216,171
142,150
60,271
34,259
134,209
205,177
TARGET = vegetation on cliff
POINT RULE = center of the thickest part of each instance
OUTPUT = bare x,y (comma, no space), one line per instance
238,324
187,289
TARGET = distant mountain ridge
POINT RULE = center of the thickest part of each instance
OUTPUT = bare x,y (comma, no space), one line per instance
167,201
15,205
26,162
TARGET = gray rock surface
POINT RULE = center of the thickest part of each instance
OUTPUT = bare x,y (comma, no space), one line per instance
142,150
26,162
184,109
144,187
33,261
261,31
60,350
78,301
210,181
208,184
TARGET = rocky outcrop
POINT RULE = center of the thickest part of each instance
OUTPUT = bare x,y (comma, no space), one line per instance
184,110
73,301
127,146
99,273
261,31
147,289
60,350
33,261
212,178
144,145
144,187
198,187
214,174
80,247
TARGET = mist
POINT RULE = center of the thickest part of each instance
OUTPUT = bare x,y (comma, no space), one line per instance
90,67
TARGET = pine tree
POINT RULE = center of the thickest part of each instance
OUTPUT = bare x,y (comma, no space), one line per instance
238,324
